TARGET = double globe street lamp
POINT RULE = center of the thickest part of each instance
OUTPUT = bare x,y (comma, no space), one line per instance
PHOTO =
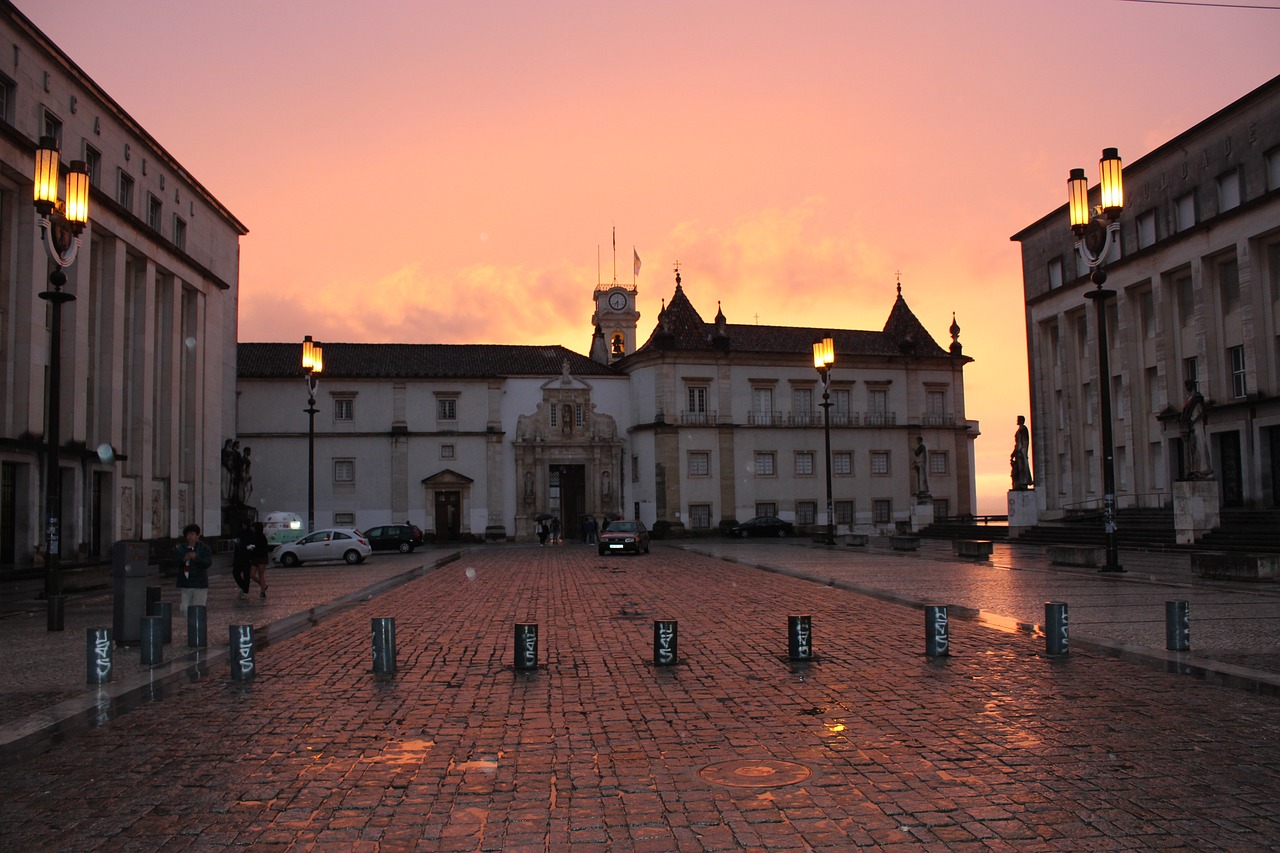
313,366
61,222
1097,230
824,355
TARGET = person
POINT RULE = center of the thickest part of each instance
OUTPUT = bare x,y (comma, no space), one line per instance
241,561
259,557
922,467
1195,441
1021,469
540,528
555,531
192,559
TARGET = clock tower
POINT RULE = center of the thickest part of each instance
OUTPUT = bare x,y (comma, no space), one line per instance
615,319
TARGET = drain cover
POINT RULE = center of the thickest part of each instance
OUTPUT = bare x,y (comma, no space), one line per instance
755,774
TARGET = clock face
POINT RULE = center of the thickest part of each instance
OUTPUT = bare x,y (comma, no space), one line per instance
617,301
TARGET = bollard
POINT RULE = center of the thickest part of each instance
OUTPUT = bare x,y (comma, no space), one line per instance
526,646
152,640
153,597
937,642
1056,635
242,667
164,609
799,637
665,643
384,645
197,626
54,612
97,647
1177,626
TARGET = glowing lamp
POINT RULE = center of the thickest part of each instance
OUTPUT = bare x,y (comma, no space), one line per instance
46,177
1112,183
824,353
1078,200
76,208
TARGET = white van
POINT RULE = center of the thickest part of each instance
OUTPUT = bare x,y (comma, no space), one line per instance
282,527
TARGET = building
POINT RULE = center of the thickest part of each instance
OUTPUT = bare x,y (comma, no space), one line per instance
703,424
1197,300
148,346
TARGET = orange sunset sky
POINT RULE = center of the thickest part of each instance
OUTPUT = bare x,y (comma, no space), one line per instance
422,172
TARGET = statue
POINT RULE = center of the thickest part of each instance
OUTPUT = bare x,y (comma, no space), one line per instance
228,471
921,466
1197,464
1021,469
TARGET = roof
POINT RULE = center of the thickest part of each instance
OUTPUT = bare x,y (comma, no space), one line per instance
415,361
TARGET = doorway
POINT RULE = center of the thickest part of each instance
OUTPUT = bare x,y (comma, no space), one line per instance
1232,476
567,498
448,516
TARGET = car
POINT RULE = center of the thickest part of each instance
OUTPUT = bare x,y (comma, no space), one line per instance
336,543
393,537
622,536
763,525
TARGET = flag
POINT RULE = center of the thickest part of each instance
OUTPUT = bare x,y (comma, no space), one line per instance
637,260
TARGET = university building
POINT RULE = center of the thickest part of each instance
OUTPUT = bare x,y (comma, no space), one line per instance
1197,300
147,347
702,424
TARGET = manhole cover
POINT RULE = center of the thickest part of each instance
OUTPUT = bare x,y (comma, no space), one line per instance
755,774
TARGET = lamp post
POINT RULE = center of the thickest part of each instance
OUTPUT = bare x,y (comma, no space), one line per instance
1097,229
313,364
824,355
61,223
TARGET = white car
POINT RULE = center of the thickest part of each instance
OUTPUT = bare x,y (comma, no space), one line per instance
336,543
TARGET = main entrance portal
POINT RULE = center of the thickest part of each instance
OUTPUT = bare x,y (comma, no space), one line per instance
568,497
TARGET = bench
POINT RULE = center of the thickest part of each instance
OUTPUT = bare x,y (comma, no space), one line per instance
1087,556
905,543
979,548
857,540
1236,567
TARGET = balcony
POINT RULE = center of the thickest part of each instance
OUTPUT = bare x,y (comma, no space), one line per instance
938,419
698,419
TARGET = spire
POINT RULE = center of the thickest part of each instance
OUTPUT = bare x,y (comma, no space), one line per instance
956,349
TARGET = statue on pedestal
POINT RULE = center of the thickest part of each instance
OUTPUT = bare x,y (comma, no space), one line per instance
1021,468
1193,422
921,466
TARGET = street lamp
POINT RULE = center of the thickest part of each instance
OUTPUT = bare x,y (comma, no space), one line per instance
60,223
313,364
1097,229
824,355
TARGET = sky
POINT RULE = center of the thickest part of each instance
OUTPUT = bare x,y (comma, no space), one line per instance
454,172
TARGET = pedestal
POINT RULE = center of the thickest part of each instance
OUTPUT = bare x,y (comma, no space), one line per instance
1195,509
1024,512
921,514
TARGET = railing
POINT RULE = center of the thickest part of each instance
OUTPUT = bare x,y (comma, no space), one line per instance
1143,500
815,419
698,419
937,419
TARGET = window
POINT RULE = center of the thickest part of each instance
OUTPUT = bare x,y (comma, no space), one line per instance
124,191
52,127
878,407
699,463
1228,272
635,469
879,463
154,210
344,519
804,463
806,512
1228,190
1146,229
935,406
344,470
1153,394
7,94
554,416
802,405
1235,355
762,405
840,405
1190,370
842,463
1272,254
179,233
446,451
767,509
579,415
447,409
697,399
1186,299
700,516
93,160
1055,273
1273,169
844,512
941,508
1147,313
1184,211
938,462
765,464
344,409
882,511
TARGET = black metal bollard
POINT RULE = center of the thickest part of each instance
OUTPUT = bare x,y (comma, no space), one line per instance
55,612
164,609
153,598
666,639
97,649
526,646
153,628
242,666
1177,626
799,637
384,645
937,641
1056,634
197,626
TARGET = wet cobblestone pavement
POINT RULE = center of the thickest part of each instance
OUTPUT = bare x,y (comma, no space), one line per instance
870,745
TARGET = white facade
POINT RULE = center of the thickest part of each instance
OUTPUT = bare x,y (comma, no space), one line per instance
148,345
1197,299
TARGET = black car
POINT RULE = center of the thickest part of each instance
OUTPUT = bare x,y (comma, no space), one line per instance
393,537
763,525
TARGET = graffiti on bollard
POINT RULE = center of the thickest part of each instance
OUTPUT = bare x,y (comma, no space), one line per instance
526,646
799,637
384,645
665,643
98,655
1056,634
937,642
242,666
1177,626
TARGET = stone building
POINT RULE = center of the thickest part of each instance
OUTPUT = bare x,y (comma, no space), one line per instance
1197,300
148,346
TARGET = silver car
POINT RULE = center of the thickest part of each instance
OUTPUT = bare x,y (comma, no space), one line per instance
335,543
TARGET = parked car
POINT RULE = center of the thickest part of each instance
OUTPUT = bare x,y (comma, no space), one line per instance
393,537
337,543
623,536
763,525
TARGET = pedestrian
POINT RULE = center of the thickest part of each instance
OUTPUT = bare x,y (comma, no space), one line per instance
241,561
555,531
192,558
540,528
592,527
259,557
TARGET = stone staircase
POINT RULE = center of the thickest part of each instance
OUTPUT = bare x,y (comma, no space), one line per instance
1137,529
1244,531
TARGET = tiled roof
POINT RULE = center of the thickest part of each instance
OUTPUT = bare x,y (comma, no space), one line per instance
415,361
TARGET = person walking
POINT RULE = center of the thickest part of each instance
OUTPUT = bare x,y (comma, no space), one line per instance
259,557
241,560
192,558
540,528
555,531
